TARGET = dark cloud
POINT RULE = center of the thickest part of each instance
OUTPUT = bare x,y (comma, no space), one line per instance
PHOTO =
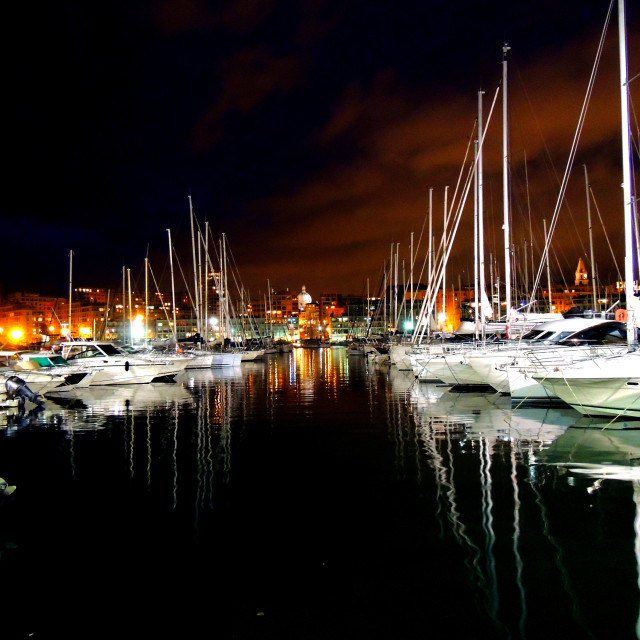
310,132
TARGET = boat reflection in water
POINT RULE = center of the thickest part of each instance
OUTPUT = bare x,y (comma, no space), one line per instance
602,459
484,496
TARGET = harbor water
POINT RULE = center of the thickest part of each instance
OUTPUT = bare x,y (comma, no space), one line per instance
315,495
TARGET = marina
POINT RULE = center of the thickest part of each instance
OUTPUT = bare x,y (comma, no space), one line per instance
438,441
315,494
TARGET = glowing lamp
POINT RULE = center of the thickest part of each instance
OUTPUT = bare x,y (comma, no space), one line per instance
137,330
16,334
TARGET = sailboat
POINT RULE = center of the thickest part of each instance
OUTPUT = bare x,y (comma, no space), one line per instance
610,385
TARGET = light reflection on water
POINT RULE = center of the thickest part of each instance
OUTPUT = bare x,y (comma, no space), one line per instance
317,495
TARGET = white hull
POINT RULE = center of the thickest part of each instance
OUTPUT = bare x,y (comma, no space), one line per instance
399,356
226,359
248,356
605,386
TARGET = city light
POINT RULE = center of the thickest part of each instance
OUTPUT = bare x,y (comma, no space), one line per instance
137,328
16,334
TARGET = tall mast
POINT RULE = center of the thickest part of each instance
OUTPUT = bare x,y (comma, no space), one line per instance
130,307
482,283
206,282
395,291
200,313
124,305
505,181
70,289
430,275
593,264
544,223
444,261
146,301
270,310
410,284
368,309
626,175
390,284
476,323
173,291
195,269
225,293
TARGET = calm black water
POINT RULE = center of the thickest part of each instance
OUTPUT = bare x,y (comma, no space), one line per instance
315,496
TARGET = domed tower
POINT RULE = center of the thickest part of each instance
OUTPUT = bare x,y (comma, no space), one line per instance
303,299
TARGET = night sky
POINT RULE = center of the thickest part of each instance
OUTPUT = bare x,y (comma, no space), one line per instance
309,132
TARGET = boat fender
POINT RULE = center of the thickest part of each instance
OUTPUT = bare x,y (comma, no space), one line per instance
622,315
126,366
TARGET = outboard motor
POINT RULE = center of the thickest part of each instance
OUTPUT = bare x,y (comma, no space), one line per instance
17,388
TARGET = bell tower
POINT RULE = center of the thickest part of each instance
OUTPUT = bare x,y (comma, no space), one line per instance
582,279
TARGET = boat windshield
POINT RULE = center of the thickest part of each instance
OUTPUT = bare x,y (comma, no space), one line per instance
88,351
602,334
110,349
555,336
534,334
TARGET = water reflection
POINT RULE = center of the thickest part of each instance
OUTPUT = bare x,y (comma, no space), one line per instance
385,507
490,498
601,459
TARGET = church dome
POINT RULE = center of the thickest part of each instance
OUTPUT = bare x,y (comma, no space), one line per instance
303,298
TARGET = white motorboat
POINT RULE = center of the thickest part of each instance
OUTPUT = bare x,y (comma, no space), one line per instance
111,365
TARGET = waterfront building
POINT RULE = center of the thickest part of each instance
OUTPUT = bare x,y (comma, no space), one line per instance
28,318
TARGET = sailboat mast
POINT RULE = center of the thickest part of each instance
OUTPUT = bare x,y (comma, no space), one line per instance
70,289
392,288
593,264
270,310
206,283
200,314
368,309
544,224
475,246
626,174
146,301
410,284
444,261
130,307
482,283
195,270
395,290
173,291
430,275
124,306
225,292
505,181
